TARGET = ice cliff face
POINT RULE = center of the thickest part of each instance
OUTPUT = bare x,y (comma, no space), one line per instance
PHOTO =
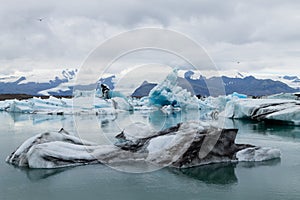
184,145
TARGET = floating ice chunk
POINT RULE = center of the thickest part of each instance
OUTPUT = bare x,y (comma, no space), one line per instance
290,96
212,107
264,109
20,107
288,114
238,109
141,104
4,105
138,102
22,155
172,150
169,108
159,144
65,106
101,103
169,93
137,131
184,145
52,150
122,104
240,96
257,154
37,105
167,149
105,111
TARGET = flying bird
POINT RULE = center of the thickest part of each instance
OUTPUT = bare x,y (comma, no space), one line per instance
41,19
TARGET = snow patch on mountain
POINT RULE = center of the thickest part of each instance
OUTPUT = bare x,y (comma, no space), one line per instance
42,76
39,82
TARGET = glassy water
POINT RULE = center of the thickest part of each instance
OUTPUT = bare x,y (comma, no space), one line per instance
276,179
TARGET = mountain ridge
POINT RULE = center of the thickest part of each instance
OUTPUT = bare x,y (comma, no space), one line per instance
248,85
63,82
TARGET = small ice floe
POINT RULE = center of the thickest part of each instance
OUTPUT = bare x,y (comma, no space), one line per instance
257,154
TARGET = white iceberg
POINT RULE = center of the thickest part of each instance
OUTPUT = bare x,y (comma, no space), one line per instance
257,154
291,96
264,109
121,104
65,106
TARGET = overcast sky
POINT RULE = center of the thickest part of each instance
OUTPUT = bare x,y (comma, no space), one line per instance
263,35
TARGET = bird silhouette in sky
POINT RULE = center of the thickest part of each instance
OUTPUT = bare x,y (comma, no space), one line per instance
41,19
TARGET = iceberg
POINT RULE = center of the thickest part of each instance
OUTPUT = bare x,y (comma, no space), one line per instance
255,154
281,108
65,106
20,107
121,104
240,96
142,104
169,93
210,107
291,96
36,105
136,131
184,145
264,109
4,105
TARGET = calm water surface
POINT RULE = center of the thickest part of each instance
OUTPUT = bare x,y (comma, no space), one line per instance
276,179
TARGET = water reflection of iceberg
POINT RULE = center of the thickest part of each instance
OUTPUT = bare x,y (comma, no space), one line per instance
162,120
220,173
38,119
216,174
272,162
39,174
263,127
19,117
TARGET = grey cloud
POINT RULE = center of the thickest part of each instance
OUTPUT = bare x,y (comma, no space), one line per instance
252,31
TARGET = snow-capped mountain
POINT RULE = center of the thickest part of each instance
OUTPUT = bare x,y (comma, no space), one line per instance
291,81
37,81
47,82
62,82
40,76
233,82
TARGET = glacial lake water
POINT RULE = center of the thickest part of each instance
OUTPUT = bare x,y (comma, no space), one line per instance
275,179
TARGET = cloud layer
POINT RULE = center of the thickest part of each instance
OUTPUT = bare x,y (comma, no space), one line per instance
260,35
